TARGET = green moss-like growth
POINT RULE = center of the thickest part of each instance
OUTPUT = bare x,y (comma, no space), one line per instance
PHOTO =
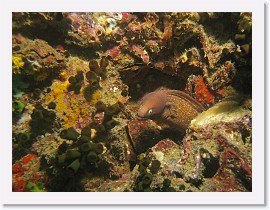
86,131
99,148
91,76
72,80
139,187
24,139
52,105
50,116
143,182
100,128
166,183
37,114
17,107
154,167
79,76
76,82
73,153
167,186
100,106
37,93
171,189
124,93
62,148
145,161
70,134
113,109
92,157
148,189
111,124
103,65
88,92
147,179
62,158
95,85
32,187
75,165
104,62
93,65
182,187
85,147
84,139
42,121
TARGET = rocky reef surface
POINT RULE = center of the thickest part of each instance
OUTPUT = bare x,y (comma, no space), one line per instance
77,84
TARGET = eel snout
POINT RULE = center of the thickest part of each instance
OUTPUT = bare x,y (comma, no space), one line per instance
152,104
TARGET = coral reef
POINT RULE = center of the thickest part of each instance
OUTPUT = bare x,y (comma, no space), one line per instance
27,176
124,102
35,57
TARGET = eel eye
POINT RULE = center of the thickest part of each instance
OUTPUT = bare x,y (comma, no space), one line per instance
150,111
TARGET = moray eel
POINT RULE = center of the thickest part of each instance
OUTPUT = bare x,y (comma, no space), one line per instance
172,107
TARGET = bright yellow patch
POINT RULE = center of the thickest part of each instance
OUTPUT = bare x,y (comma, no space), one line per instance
96,97
69,107
17,63
183,58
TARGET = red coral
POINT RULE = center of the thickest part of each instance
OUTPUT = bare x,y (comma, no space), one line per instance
59,47
16,168
28,158
202,94
19,186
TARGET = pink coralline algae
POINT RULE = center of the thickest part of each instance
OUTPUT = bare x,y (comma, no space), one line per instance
141,53
113,52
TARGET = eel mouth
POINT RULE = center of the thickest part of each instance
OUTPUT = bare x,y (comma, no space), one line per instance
141,117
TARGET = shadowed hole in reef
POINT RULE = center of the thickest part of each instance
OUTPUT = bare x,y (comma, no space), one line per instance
176,136
147,80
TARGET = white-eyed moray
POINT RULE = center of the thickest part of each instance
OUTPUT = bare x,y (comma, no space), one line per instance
172,107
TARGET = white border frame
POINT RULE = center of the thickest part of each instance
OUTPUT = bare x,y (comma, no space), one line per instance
257,196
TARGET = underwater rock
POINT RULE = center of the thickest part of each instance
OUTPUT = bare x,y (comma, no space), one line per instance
27,170
196,86
88,28
71,108
38,57
121,185
217,136
143,134
155,169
